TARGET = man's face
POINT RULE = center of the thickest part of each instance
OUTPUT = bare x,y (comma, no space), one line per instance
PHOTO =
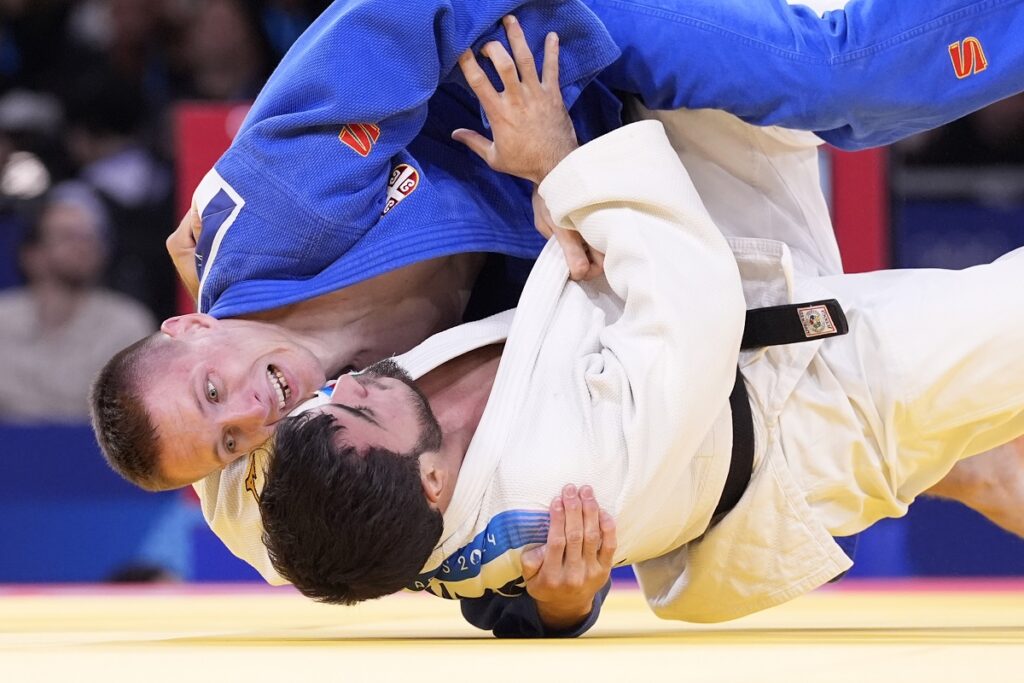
72,246
224,385
382,408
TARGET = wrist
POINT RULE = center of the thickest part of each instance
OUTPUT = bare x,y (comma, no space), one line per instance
562,615
558,153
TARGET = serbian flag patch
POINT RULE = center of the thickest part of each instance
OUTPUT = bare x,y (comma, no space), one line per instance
404,179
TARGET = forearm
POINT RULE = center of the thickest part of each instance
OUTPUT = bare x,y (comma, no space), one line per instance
629,196
868,74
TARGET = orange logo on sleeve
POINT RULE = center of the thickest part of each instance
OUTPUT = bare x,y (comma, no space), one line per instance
360,137
968,57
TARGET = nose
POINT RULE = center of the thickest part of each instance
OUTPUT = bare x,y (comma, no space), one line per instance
348,391
249,420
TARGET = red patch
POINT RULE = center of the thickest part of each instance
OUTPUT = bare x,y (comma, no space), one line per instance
360,137
968,57
404,179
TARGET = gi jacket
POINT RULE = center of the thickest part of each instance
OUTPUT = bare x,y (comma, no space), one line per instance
623,385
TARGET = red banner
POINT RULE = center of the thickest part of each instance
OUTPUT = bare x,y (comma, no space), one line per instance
202,131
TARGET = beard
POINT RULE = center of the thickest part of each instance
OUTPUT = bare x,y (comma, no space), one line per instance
430,429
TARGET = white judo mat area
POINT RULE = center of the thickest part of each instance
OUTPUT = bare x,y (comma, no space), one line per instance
908,631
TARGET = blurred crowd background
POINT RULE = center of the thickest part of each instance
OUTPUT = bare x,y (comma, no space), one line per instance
87,91
87,197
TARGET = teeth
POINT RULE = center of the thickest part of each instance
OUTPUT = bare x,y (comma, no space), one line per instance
280,386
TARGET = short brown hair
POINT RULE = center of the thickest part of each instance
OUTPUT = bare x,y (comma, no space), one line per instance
124,428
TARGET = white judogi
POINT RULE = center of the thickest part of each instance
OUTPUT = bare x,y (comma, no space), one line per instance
848,429
623,385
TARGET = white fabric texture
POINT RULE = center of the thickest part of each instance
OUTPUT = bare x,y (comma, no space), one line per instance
622,383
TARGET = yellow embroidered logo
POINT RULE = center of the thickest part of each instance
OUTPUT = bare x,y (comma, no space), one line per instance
968,57
251,476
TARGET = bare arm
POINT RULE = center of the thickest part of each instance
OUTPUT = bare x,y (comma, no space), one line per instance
181,247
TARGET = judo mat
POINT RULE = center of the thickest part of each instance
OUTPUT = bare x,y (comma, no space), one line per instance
860,631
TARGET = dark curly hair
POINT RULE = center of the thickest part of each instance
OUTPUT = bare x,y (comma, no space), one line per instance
341,525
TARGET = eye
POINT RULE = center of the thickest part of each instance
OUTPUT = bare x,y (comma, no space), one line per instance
211,391
229,443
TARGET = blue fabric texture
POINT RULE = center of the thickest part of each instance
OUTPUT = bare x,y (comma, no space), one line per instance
312,217
866,75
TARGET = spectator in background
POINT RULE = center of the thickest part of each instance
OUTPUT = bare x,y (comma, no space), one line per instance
228,51
61,327
29,151
105,115
32,46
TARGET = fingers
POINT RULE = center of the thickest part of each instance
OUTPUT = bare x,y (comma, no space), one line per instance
596,263
609,542
591,524
573,531
478,81
477,143
550,73
575,252
532,561
521,51
541,216
506,69
555,546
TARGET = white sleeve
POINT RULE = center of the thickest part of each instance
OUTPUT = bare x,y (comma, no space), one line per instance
670,360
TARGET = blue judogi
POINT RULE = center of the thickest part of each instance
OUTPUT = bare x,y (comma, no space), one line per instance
300,213
869,74
311,217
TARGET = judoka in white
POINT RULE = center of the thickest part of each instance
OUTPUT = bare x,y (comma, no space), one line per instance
623,382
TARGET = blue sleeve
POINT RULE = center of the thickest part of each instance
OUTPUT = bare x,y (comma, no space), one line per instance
310,165
517,617
868,74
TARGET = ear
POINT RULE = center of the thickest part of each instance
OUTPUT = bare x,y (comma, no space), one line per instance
434,478
185,324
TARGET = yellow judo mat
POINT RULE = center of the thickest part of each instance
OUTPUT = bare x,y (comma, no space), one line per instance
863,632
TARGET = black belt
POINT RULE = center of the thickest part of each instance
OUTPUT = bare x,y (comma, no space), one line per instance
771,326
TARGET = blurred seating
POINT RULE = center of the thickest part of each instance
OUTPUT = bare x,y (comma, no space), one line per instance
61,327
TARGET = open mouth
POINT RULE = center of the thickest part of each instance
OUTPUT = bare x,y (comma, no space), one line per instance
280,385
